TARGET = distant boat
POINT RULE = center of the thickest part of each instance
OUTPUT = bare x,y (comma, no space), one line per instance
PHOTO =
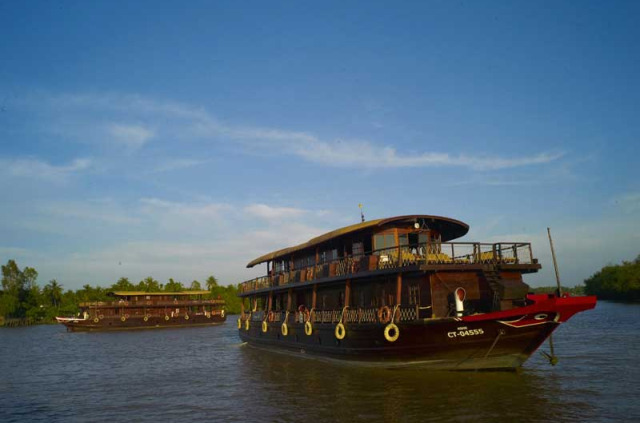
396,292
147,310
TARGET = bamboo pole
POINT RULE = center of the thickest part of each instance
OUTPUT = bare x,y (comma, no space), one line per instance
555,263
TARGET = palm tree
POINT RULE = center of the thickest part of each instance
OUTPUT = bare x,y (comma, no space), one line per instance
54,292
212,282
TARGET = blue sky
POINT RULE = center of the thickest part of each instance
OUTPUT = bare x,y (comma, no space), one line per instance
183,139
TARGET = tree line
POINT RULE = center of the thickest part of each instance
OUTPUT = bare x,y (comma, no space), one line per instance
620,282
21,297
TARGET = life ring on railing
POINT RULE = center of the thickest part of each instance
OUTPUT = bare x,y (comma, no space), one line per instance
265,326
166,318
208,315
391,332
384,314
271,316
186,317
221,313
145,318
101,316
340,331
123,318
239,323
96,320
246,324
308,328
284,329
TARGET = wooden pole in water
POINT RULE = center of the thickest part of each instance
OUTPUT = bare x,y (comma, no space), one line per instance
555,263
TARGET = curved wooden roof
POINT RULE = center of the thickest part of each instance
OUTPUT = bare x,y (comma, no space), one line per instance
448,228
140,293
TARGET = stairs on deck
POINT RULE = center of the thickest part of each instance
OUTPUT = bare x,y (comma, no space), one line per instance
492,276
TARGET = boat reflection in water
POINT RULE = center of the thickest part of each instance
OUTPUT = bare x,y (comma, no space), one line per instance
397,292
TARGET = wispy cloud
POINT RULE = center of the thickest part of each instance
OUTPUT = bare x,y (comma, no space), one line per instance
208,210
100,210
198,123
35,168
132,136
175,164
264,211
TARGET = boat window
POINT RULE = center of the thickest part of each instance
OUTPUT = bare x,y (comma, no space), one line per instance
358,249
382,241
403,240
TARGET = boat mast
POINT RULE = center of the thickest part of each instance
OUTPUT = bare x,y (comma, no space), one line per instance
555,263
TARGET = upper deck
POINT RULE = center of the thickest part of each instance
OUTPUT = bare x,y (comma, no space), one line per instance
398,244
132,299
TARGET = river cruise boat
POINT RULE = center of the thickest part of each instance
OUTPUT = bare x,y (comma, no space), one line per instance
398,292
147,310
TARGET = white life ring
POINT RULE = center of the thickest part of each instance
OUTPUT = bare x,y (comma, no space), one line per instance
265,326
284,329
221,313
308,328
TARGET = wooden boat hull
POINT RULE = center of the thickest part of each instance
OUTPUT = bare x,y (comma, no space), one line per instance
501,340
138,322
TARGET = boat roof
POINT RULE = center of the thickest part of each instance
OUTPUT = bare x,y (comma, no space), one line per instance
449,229
134,293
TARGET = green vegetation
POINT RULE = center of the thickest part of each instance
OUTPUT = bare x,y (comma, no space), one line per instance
620,282
22,298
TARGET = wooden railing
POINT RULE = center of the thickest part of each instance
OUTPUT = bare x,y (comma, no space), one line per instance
348,315
150,303
445,253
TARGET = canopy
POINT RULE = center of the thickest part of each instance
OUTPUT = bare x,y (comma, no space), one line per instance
449,229
140,293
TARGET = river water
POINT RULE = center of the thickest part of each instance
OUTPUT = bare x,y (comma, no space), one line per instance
206,374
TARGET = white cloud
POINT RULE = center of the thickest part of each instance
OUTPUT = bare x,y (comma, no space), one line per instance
132,136
175,164
35,168
102,210
264,211
196,122
208,211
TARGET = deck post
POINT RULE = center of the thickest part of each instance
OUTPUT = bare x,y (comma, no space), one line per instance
289,298
347,293
398,288
314,296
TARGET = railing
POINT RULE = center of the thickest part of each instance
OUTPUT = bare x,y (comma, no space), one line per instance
445,253
349,315
151,303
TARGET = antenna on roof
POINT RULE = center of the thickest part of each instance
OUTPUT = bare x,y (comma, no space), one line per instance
361,213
